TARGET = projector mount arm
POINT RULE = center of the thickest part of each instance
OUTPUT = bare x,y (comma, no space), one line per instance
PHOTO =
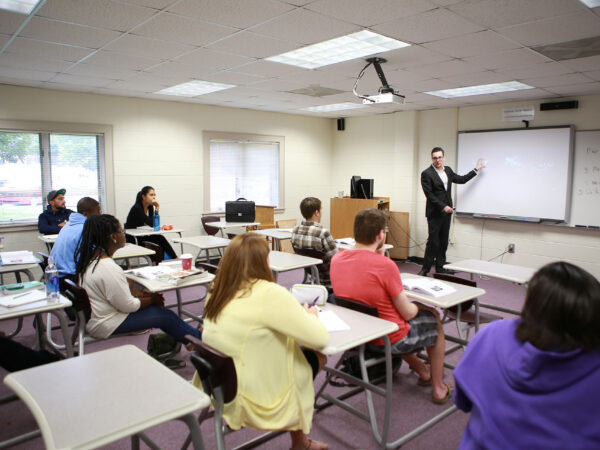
385,87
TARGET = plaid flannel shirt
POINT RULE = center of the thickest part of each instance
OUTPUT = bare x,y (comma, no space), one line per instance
313,236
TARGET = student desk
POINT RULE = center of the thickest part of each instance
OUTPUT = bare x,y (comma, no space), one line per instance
130,251
95,399
17,269
283,261
225,225
163,286
277,235
48,239
204,243
363,329
136,233
508,272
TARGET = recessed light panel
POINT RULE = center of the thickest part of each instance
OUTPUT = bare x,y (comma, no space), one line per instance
345,48
493,88
194,88
18,6
334,107
591,3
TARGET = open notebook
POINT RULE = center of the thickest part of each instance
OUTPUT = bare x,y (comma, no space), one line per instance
10,301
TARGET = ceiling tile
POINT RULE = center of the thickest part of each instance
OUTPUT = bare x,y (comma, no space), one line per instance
380,11
477,78
594,75
518,72
188,31
10,22
121,61
576,89
254,45
213,60
556,80
497,14
156,4
583,64
428,26
30,47
233,13
270,69
81,80
29,62
231,77
143,83
511,58
67,87
149,48
479,43
558,29
446,68
96,13
306,27
24,74
525,94
66,33
92,70
181,70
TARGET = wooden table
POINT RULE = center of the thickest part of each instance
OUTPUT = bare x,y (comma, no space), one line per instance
99,398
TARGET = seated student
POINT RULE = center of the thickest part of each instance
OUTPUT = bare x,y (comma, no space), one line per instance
364,274
260,325
310,234
55,215
63,250
533,382
141,214
114,309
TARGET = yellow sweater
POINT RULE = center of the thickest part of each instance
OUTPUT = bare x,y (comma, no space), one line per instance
261,332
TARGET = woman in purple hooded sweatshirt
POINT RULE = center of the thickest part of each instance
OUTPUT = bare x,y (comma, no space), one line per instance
534,382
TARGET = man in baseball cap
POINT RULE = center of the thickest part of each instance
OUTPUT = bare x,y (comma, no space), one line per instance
56,215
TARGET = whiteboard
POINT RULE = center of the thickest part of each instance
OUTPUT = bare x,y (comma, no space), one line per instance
527,174
585,203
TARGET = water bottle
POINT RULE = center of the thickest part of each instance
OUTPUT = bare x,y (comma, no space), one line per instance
156,221
51,276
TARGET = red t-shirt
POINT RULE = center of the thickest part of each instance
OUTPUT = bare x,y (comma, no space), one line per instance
370,278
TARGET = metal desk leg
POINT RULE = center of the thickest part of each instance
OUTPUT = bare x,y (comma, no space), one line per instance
314,275
274,275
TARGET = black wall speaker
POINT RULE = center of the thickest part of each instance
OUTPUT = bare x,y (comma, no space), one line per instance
341,124
551,106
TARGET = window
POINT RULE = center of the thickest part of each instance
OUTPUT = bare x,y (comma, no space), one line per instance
248,166
34,163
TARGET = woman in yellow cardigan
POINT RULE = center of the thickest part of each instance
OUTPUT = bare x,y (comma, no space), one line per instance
260,324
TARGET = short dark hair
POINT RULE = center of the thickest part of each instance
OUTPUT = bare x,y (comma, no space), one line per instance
562,309
437,149
87,205
309,206
367,225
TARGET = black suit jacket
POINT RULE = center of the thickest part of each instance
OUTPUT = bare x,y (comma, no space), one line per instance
437,195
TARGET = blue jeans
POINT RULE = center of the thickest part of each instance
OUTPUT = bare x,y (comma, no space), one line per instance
156,317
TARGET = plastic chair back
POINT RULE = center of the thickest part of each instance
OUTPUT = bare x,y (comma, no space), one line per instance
357,306
157,258
210,231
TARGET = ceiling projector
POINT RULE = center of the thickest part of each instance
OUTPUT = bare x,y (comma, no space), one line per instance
386,93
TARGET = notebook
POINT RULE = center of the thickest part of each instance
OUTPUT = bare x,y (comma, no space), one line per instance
10,301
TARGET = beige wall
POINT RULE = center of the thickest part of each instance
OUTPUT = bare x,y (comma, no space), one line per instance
160,143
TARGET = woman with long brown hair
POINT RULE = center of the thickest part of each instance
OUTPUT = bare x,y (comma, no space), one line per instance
260,324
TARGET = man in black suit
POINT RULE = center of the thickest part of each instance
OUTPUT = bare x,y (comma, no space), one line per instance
437,181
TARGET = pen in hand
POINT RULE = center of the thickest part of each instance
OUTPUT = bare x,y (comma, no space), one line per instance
314,302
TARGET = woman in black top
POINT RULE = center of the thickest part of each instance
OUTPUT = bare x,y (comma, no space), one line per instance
141,214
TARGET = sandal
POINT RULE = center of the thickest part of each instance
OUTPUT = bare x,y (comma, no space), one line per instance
448,396
310,445
422,382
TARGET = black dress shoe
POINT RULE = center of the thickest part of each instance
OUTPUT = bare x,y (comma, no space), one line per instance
446,271
423,272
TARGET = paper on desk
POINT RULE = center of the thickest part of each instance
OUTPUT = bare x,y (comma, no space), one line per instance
332,321
145,227
427,286
10,301
20,257
166,273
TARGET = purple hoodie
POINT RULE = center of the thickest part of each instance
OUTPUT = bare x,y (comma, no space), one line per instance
523,398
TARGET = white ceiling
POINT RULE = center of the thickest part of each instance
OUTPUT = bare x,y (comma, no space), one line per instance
134,48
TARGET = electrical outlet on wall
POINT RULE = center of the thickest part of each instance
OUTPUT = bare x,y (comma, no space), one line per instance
511,248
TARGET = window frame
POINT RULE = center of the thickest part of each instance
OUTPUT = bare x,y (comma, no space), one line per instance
105,156
207,136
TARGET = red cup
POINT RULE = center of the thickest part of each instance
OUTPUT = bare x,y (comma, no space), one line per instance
186,261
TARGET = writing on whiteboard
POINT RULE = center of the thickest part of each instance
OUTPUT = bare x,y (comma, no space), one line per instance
590,185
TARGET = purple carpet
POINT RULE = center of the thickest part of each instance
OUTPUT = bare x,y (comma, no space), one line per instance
336,427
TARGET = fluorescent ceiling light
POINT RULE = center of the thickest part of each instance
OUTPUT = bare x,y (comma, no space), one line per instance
591,3
194,88
18,6
493,88
334,107
345,48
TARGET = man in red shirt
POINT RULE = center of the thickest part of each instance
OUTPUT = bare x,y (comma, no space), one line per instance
364,274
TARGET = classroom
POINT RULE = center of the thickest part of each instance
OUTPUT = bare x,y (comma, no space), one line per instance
95,67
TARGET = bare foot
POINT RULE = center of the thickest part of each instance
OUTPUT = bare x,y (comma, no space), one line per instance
442,394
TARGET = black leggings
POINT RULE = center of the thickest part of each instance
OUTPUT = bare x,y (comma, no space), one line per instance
157,239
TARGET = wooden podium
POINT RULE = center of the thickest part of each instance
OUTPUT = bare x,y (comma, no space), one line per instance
342,213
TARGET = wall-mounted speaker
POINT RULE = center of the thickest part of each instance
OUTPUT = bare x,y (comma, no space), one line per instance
551,106
341,124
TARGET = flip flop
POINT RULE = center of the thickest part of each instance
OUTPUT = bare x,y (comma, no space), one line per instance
422,382
441,401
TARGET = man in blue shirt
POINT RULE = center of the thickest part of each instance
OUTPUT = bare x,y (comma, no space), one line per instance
67,240
56,215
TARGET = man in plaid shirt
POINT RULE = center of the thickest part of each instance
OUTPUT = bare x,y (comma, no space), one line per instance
310,234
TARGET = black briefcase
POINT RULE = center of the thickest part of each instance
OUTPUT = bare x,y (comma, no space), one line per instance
240,210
